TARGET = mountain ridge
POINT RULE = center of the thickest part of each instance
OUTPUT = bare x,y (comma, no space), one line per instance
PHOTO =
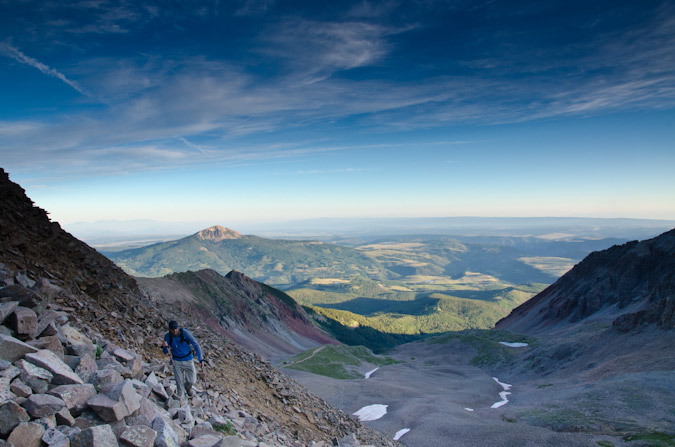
631,284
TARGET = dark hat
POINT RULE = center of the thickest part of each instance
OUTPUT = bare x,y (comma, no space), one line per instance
173,325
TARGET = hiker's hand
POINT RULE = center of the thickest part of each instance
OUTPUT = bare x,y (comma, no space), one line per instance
165,344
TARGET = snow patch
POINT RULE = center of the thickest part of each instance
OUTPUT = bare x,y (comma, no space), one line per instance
401,433
469,409
502,395
371,412
370,373
513,345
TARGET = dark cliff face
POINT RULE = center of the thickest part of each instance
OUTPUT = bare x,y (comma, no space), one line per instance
30,241
633,284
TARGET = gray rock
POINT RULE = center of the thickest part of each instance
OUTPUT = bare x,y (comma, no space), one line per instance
11,372
27,434
41,405
108,409
157,387
48,421
46,319
166,435
51,343
54,438
4,364
123,392
24,321
77,343
64,417
87,369
87,419
75,397
141,388
19,388
98,436
35,377
104,377
11,415
139,436
12,349
231,441
63,375
206,441
203,429
24,280
16,292
7,309
73,434
147,413
5,392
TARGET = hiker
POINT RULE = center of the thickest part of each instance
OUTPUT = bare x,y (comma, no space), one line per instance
181,341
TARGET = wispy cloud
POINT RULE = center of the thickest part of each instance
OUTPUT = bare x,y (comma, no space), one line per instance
14,53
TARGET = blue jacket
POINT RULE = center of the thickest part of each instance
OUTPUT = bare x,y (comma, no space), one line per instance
181,350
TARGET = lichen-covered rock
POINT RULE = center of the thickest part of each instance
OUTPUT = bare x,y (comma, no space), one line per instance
139,436
35,377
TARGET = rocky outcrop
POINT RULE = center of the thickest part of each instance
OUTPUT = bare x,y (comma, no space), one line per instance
217,234
631,285
87,369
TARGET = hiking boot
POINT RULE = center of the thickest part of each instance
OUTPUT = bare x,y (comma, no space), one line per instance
191,392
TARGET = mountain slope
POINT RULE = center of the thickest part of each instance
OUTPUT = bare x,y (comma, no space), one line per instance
272,261
631,285
252,314
44,268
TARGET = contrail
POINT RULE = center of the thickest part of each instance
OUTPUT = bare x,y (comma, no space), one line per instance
13,52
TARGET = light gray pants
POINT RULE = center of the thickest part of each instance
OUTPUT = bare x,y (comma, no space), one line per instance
184,372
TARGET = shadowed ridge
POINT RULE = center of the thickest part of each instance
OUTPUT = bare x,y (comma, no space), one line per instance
631,285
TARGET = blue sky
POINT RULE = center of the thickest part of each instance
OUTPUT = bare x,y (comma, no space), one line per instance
262,110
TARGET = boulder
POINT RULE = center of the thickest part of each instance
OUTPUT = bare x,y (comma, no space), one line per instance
54,438
98,436
7,309
108,409
77,343
41,405
87,368
63,375
104,377
5,392
166,435
10,372
20,389
16,292
64,417
156,387
12,349
75,397
27,434
231,441
24,321
35,377
123,392
88,419
139,436
11,415
51,343
206,441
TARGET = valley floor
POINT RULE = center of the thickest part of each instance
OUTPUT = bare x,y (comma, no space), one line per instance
431,392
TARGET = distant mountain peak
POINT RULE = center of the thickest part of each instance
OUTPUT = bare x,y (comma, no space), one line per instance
217,233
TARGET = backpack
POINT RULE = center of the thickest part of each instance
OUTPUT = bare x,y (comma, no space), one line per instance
182,337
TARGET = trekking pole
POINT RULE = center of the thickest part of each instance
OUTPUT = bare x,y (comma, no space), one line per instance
205,383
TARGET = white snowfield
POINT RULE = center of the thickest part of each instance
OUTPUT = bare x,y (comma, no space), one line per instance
513,345
371,412
370,373
400,433
503,394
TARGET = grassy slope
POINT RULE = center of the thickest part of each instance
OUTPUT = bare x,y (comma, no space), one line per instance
339,362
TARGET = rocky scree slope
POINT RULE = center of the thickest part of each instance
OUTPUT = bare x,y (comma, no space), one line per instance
253,314
632,285
61,300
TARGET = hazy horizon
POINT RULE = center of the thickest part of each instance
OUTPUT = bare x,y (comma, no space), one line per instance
249,111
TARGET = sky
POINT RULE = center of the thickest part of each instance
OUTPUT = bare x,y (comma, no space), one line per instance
265,110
